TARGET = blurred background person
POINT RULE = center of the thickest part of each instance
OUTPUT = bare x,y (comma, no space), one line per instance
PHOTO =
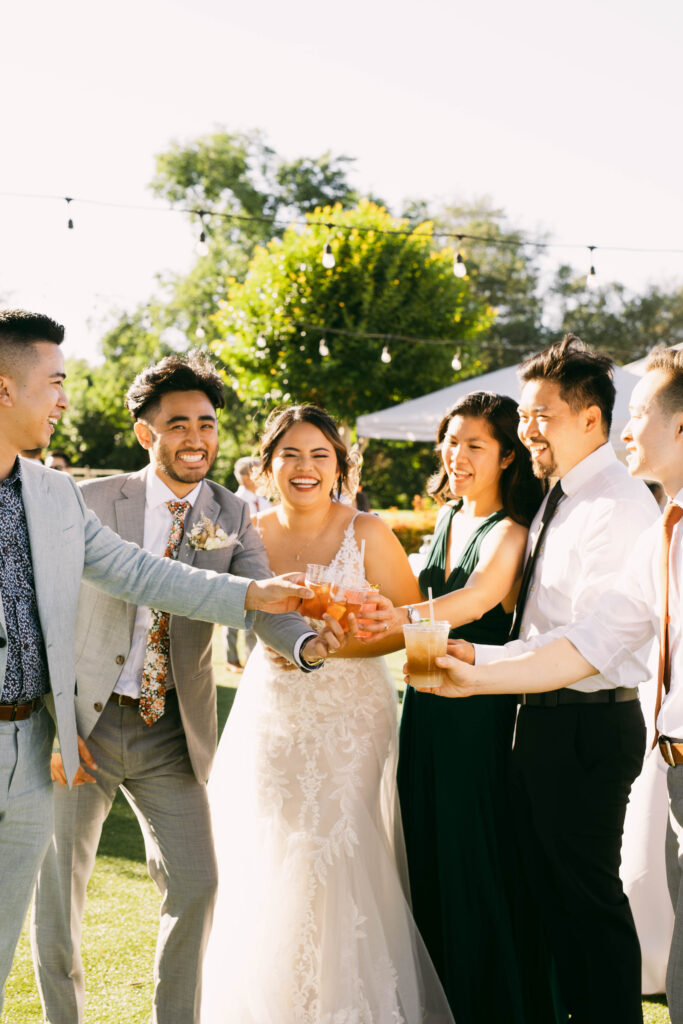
59,460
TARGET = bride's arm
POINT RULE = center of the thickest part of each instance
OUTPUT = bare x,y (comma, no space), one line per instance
495,580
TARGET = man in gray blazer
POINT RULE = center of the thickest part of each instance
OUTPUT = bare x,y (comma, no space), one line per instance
49,541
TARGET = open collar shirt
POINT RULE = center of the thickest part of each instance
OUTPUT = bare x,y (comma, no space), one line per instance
629,615
599,520
26,674
158,520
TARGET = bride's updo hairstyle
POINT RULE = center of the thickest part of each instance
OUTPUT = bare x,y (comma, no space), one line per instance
279,422
522,492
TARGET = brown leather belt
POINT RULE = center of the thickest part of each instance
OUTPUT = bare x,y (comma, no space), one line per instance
552,698
671,751
124,701
19,712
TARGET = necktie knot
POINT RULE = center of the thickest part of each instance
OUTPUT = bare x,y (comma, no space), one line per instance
177,508
672,515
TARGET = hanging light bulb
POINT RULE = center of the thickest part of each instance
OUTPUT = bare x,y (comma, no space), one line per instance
200,332
459,268
70,223
328,257
456,362
323,349
261,341
201,248
592,283
386,355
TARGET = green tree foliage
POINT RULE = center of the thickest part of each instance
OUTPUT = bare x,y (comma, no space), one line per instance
504,272
274,321
623,323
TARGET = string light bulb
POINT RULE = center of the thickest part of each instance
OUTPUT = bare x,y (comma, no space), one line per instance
261,342
70,223
328,257
386,355
459,268
592,283
456,362
323,349
202,248
200,333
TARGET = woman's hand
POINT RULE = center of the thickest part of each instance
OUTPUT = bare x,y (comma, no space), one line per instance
379,618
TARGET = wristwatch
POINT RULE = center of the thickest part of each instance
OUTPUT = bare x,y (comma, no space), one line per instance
413,615
310,665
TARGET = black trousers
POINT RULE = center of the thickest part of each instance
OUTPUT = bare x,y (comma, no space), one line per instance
572,770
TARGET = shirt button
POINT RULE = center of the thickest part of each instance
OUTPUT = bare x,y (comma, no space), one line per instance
120,659
97,706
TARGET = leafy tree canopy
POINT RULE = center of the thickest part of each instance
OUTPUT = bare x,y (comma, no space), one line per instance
273,323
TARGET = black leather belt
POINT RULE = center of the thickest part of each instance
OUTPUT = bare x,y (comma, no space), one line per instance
552,698
19,712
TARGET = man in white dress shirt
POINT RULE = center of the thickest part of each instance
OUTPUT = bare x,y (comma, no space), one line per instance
578,751
161,765
628,615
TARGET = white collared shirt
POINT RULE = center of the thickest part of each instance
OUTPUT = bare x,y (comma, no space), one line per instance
256,502
629,615
158,520
597,523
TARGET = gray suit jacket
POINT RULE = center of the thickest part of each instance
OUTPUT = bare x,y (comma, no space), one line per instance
105,625
68,544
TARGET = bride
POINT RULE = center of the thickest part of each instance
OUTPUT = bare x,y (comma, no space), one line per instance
313,922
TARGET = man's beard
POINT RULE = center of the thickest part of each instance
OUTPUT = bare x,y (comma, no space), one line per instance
170,467
542,472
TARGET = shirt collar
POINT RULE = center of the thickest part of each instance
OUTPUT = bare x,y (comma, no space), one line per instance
157,493
679,498
583,471
15,476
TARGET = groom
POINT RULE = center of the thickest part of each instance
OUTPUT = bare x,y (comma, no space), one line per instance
160,762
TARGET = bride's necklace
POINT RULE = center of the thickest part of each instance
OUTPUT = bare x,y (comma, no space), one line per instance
311,540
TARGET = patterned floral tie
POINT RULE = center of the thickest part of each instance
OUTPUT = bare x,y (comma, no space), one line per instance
155,667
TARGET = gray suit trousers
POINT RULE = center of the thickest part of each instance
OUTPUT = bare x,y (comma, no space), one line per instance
152,766
25,822
674,877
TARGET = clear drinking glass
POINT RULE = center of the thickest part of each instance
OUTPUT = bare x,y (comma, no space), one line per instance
425,641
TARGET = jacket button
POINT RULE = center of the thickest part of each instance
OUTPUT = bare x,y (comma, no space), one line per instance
120,659
97,706
3,642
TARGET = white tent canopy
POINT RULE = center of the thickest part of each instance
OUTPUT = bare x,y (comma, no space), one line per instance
418,419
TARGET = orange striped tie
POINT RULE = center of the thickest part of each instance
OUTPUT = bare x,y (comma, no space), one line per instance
672,514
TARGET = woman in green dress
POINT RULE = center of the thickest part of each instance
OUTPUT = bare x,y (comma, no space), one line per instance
453,758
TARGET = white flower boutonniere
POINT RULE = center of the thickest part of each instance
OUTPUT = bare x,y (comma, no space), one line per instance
208,536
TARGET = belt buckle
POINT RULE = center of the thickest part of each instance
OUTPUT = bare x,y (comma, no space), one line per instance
665,745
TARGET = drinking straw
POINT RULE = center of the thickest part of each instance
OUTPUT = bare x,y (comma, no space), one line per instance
431,606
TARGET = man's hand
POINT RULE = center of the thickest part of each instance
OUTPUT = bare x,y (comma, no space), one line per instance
278,594
458,678
57,767
462,650
330,638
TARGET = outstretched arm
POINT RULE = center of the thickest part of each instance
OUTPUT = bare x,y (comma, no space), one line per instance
549,668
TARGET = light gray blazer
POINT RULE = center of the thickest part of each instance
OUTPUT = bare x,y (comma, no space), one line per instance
69,543
104,626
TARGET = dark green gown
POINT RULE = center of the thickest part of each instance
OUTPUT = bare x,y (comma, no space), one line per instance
452,781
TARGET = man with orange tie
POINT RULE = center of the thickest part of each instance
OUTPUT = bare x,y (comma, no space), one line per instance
646,601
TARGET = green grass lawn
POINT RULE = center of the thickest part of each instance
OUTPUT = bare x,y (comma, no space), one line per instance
122,913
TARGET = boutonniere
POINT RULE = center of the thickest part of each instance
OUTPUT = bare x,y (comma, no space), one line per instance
208,536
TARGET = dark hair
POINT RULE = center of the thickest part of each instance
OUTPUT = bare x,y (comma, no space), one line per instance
279,422
59,453
522,493
191,372
670,361
584,375
19,329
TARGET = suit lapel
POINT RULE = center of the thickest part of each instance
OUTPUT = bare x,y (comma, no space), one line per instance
205,505
129,511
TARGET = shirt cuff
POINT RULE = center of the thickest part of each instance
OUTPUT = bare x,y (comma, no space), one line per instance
484,654
300,641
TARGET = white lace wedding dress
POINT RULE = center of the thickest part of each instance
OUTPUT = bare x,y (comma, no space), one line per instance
312,923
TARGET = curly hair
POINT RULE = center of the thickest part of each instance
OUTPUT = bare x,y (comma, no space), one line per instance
191,372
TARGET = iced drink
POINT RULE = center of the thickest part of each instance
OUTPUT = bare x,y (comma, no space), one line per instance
347,594
317,580
425,641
